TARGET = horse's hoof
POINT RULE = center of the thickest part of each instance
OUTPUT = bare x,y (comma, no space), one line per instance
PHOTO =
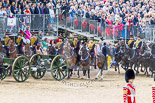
118,72
88,78
78,76
83,77
142,70
101,78
136,74
67,78
96,78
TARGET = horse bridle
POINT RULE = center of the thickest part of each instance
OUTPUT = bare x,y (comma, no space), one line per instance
12,51
85,58
27,54
55,50
69,57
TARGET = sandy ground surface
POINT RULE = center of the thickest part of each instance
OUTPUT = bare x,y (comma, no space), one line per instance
47,90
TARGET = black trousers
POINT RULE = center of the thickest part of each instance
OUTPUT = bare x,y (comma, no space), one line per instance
20,49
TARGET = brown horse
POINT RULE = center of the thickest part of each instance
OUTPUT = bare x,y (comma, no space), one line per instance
12,49
152,59
85,60
2,50
118,58
52,50
71,57
124,55
1,47
144,59
27,51
100,60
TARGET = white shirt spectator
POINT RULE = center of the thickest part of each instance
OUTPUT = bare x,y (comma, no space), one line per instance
52,15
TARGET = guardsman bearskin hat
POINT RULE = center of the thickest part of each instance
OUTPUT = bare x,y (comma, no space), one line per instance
129,74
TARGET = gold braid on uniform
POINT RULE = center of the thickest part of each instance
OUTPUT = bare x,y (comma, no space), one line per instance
33,40
130,41
75,43
59,44
6,41
137,43
90,45
19,40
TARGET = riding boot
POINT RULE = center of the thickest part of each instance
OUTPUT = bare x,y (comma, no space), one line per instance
129,58
95,63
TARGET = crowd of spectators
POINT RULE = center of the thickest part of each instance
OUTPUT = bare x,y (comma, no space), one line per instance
110,12
133,12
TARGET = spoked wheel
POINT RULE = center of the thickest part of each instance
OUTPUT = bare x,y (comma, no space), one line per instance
3,73
38,70
59,68
21,69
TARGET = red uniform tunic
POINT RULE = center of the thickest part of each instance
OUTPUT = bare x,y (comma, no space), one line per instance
129,94
153,94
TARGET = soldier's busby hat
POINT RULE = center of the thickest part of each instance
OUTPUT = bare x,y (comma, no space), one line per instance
102,38
34,34
19,34
129,74
131,36
75,36
61,37
8,33
92,38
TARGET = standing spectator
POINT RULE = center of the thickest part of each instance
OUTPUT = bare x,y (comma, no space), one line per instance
32,9
37,9
19,9
8,10
108,28
13,7
7,3
50,3
46,9
41,8
52,15
3,3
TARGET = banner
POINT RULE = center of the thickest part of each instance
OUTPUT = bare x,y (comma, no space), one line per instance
11,21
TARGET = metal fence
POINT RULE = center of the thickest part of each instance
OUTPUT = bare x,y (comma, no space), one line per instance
50,23
45,23
109,32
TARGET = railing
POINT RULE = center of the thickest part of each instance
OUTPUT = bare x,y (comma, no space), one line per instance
50,23
45,23
109,32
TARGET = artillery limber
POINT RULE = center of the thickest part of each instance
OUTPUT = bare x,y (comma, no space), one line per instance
37,66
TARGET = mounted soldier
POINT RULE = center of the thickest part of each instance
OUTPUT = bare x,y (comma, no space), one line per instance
91,47
34,43
129,89
131,42
19,44
59,45
76,44
138,45
104,52
6,41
